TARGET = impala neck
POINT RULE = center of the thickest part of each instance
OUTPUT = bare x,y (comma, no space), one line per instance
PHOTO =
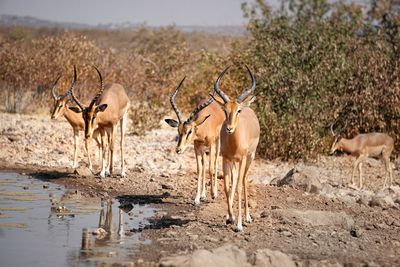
347,145
75,119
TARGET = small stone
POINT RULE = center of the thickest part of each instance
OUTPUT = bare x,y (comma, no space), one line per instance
45,186
356,232
99,232
193,237
167,186
287,233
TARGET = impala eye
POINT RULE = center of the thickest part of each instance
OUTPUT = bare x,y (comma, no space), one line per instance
239,111
190,132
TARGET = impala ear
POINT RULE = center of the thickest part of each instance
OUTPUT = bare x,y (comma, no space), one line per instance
201,122
75,109
172,123
248,100
101,108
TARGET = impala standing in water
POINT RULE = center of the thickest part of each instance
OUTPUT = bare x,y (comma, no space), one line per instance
203,127
240,134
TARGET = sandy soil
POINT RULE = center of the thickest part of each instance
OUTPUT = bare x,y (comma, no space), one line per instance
312,217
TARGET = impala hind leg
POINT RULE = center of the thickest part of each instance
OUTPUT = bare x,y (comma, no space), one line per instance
200,170
227,181
388,168
213,170
203,196
110,150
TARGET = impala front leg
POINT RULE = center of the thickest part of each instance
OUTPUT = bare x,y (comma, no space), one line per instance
88,154
234,178
122,125
227,180
246,194
242,164
76,136
355,166
112,138
104,151
200,166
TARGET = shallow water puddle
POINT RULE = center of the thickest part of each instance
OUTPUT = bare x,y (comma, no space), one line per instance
43,224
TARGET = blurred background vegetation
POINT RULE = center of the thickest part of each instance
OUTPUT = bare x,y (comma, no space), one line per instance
316,63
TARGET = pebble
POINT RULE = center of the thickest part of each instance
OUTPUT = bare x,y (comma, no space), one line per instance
356,232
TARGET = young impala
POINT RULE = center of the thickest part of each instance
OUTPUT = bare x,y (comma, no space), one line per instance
107,108
61,108
203,127
239,139
363,146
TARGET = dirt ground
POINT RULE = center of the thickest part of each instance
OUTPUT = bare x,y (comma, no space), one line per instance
309,216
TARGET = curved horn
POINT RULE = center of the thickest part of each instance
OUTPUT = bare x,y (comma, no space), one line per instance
341,130
249,91
97,96
199,108
333,133
218,90
71,91
172,101
53,89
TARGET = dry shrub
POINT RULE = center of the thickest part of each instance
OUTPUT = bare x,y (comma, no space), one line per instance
149,63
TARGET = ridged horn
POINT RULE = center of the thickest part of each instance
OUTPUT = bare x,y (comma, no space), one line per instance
217,89
172,101
249,91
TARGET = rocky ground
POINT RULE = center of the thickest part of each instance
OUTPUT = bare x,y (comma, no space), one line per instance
302,212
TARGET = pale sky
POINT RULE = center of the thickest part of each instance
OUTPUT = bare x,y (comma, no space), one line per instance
151,12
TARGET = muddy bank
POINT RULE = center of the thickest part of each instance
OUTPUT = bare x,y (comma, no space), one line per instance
312,218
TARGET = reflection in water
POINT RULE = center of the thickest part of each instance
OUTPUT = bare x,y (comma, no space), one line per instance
60,226
93,244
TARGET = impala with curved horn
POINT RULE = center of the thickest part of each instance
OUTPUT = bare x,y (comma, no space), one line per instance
363,146
107,108
203,127
240,134
61,108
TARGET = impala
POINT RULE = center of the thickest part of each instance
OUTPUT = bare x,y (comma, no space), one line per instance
203,127
239,139
61,108
107,108
363,146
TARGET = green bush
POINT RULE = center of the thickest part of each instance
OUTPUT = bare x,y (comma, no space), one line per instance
319,63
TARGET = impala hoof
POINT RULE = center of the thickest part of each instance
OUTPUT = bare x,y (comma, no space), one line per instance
249,220
107,173
123,174
229,220
203,198
215,195
197,202
239,228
